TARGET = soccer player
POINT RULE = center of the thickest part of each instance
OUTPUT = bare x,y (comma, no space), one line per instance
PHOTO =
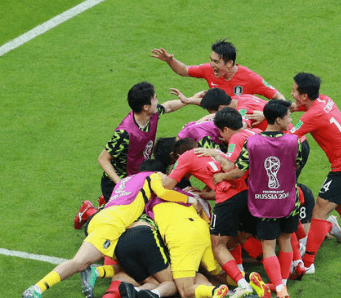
188,240
231,197
322,120
126,204
141,253
132,141
272,158
222,72
215,99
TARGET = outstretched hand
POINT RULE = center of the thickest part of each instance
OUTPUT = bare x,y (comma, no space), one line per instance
162,54
256,116
180,95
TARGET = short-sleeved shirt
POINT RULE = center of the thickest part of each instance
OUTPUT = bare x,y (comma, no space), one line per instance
244,81
203,168
323,121
242,162
237,141
118,147
247,104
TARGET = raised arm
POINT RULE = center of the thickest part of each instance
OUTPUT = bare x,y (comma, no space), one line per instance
168,194
176,65
193,100
279,95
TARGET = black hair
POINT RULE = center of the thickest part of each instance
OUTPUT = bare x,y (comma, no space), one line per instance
214,98
152,165
309,84
276,108
139,95
162,149
226,50
228,117
184,145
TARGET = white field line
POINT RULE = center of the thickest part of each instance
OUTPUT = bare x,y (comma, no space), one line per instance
44,27
25,255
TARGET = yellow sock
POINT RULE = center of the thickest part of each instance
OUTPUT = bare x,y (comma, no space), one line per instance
203,291
105,271
48,281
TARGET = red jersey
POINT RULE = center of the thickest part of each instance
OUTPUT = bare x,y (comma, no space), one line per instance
237,141
247,104
323,121
203,168
244,81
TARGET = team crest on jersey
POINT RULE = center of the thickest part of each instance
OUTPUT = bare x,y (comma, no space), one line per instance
238,90
148,150
106,244
267,84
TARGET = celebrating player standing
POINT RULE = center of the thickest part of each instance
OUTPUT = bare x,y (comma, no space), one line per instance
322,120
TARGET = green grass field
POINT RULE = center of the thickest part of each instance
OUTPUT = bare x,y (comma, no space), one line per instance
64,92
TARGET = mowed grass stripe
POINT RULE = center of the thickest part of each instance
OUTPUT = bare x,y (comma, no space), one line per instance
42,28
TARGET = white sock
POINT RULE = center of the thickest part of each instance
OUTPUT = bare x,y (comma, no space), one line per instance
137,289
242,283
156,292
279,288
241,267
296,262
304,240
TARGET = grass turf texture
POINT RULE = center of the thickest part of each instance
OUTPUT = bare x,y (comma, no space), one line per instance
63,93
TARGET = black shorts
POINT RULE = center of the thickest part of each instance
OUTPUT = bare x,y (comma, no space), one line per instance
107,186
227,215
331,188
141,252
305,155
269,229
306,209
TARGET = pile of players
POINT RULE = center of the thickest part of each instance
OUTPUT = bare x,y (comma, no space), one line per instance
157,232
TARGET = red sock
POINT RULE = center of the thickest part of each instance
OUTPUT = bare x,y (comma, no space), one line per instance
231,269
295,247
113,291
254,248
237,254
109,261
273,270
317,232
285,260
300,233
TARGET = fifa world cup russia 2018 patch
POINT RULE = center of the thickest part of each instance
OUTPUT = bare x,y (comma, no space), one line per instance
297,126
242,112
106,244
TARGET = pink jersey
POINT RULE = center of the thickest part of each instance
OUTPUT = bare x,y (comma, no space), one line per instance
323,121
203,168
244,81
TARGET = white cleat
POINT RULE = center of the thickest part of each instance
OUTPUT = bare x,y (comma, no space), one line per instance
336,230
310,269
